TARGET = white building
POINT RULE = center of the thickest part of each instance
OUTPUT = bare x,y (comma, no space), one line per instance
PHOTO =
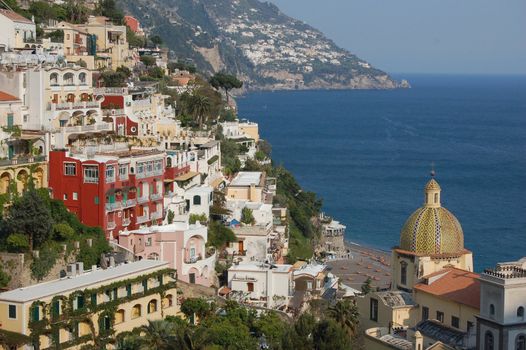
253,243
271,285
16,30
501,324
198,200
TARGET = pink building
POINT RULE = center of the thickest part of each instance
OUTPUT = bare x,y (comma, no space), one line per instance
180,244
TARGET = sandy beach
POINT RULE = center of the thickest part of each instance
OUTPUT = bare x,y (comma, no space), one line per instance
365,262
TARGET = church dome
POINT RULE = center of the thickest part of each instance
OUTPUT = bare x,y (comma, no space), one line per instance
432,229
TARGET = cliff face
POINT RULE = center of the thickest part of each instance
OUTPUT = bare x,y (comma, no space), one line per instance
256,41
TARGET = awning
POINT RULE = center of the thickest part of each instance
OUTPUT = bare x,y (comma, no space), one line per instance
186,176
217,182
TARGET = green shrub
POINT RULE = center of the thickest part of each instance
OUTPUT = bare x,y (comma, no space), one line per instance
202,218
63,231
48,256
17,243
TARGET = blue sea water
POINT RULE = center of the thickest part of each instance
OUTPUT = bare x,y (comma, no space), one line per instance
368,154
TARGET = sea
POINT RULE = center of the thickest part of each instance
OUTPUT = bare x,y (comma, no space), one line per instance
369,153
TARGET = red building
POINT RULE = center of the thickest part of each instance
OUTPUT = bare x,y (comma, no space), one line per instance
113,190
133,24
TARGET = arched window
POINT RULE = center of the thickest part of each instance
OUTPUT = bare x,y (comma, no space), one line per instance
152,306
68,79
53,79
119,316
82,78
492,310
520,342
136,311
197,200
520,312
488,341
436,198
403,273
167,301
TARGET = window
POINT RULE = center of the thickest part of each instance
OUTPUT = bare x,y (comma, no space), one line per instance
35,313
440,316
75,196
12,312
55,309
309,285
492,310
136,311
53,79
488,341
78,302
82,78
96,200
105,323
425,313
123,171
65,196
145,285
455,322
148,241
373,310
91,174
70,169
250,286
436,198
403,273
110,173
68,79
152,306
520,342
140,168
94,299
520,312
469,326
197,200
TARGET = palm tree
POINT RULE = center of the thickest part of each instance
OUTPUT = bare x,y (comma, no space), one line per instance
129,342
198,106
159,334
346,314
192,338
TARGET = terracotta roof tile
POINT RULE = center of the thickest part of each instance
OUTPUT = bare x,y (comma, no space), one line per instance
4,97
14,16
455,284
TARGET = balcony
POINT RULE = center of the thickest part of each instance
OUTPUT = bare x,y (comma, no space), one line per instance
113,206
111,91
199,263
143,219
22,160
126,222
142,200
144,174
111,225
88,128
156,196
156,215
72,105
130,203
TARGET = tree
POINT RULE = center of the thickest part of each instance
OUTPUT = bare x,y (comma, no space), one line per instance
199,106
247,216
17,243
63,231
29,215
366,286
114,79
195,307
219,235
108,8
129,342
329,335
226,82
265,147
158,334
133,39
148,61
170,216
156,40
345,313
4,278
76,12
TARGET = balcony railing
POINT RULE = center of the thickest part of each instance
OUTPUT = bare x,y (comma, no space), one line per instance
72,105
113,206
111,225
130,203
144,199
22,160
156,196
144,174
111,91
142,219
126,221
156,215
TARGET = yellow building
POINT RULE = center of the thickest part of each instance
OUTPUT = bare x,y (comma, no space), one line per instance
247,186
87,307
433,290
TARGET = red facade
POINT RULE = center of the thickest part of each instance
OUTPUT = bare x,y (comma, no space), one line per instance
115,192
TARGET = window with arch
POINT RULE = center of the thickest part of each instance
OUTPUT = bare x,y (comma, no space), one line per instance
520,342
436,198
53,79
167,301
136,311
492,310
119,316
197,200
68,79
489,341
520,312
403,273
152,306
83,78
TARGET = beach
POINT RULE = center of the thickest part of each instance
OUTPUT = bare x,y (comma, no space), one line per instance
364,263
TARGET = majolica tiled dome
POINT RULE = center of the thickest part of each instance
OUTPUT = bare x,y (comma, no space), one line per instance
432,229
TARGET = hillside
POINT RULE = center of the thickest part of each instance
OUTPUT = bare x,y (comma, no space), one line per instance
256,41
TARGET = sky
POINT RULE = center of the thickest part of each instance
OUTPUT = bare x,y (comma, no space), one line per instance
423,36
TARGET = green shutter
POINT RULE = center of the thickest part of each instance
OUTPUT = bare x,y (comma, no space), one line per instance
160,278
56,309
145,285
35,313
96,199
129,290
94,299
115,293
80,302
10,120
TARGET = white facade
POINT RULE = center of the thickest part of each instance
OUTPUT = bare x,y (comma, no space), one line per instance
271,283
16,30
198,200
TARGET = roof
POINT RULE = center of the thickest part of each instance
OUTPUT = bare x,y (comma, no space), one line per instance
438,331
396,298
397,342
210,144
312,270
5,97
70,284
247,178
285,268
186,176
439,346
453,284
15,17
